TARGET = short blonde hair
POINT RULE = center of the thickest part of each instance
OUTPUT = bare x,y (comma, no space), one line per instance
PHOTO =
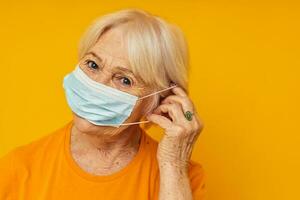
157,50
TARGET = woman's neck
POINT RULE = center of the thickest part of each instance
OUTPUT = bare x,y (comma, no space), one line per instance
102,154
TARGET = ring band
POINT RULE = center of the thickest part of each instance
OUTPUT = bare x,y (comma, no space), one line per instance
188,115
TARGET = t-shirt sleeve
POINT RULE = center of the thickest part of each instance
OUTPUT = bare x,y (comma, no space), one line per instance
6,176
197,181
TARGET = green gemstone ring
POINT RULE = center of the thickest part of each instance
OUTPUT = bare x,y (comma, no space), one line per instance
188,115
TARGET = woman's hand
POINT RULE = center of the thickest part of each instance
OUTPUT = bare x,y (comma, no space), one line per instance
180,134
175,148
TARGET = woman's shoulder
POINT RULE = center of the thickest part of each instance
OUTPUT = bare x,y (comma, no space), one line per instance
29,152
25,159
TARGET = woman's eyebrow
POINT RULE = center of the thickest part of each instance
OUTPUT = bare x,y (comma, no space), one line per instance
117,67
95,55
123,69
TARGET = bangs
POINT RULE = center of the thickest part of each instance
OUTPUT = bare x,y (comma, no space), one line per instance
157,50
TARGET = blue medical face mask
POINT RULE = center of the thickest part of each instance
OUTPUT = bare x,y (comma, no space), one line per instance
98,103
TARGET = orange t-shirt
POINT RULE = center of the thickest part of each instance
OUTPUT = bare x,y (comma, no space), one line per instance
45,169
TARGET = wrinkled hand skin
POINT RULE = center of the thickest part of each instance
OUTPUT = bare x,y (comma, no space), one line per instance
175,148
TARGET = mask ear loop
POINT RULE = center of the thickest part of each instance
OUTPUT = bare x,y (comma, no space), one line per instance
158,92
147,121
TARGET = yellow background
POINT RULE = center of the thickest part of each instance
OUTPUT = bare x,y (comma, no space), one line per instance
244,83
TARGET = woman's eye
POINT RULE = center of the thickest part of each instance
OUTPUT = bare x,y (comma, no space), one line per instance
126,81
91,64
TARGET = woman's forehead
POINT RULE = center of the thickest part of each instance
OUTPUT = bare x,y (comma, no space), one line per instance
111,45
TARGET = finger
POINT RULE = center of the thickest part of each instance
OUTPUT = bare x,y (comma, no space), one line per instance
186,103
174,110
160,120
179,91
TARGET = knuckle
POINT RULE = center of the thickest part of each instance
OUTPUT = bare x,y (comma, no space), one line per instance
199,127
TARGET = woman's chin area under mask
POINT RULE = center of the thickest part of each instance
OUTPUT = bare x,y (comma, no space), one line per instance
84,126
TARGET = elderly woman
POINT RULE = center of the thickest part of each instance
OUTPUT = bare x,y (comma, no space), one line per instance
131,73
